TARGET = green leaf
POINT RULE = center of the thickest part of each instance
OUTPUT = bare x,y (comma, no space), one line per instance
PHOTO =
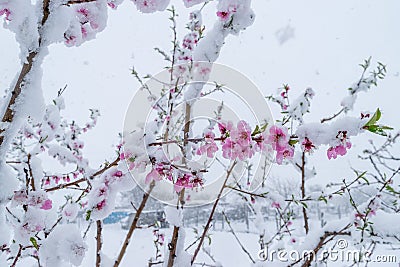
362,176
256,131
383,127
293,142
34,242
88,213
323,198
374,118
390,189
264,127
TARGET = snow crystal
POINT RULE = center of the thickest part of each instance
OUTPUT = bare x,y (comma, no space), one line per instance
284,34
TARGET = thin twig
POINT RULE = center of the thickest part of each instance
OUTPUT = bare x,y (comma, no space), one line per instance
17,257
210,218
303,192
237,238
333,116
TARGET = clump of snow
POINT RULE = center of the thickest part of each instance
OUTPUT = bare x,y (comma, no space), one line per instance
190,3
22,20
324,133
64,244
301,105
70,211
383,223
8,183
105,188
4,230
151,6
174,215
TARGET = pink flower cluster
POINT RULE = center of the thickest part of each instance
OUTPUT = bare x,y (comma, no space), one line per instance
226,13
187,180
239,144
162,171
34,199
340,149
133,161
89,19
278,138
150,6
210,147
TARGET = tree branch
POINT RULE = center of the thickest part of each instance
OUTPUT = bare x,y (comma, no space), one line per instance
133,225
26,68
99,242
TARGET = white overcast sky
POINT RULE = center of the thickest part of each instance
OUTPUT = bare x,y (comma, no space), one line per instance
329,39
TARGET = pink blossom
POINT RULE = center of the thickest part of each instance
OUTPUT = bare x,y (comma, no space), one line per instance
83,204
242,135
223,15
239,144
7,12
118,174
331,153
187,181
47,205
225,127
341,150
208,148
84,12
278,138
154,175
276,205
70,40
285,153
101,204
183,182
227,149
84,32
150,6
372,212
112,5
307,145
